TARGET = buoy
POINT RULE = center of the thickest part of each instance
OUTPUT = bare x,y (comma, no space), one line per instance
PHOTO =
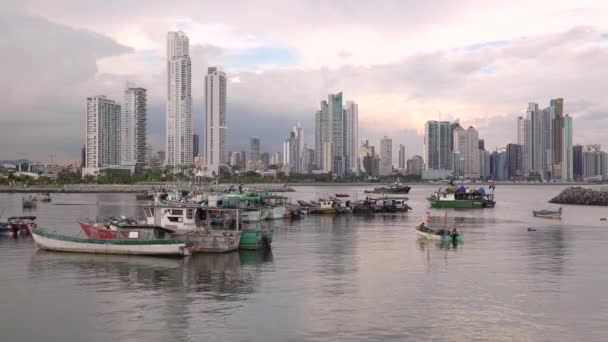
531,229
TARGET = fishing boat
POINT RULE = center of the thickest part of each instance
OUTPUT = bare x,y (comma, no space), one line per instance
394,188
391,204
204,229
122,228
134,244
325,207
45,197
18,225
342,195
144,196
441,234
29,201
462,198
274,207
254,236
550,214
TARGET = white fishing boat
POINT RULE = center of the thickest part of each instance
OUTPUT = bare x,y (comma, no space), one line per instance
204,229
274,207
325,207
131,245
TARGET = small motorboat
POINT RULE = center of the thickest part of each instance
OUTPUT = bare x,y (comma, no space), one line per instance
29,201
45,197
342,195
17,225
441,234
550,214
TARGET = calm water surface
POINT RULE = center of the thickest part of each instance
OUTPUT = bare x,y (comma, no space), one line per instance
348,278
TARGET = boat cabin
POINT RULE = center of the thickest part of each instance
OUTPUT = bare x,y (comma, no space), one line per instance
189,217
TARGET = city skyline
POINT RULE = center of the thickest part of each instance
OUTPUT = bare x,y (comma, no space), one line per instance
466,71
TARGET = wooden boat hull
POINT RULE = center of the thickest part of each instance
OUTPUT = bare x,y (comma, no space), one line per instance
210,242
250,216
557,216
323,211
62,243
461,204
274,213
441,238
255,239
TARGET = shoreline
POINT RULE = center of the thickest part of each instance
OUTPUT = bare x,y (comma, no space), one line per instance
271,187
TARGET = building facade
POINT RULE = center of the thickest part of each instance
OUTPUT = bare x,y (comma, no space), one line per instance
402,160
215,126
102,135
254,149
351,137
133,128
178,124
386,156
436,152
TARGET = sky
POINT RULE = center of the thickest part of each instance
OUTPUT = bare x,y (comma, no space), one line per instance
404,62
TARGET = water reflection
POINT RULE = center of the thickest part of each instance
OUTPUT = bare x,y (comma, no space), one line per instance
548,249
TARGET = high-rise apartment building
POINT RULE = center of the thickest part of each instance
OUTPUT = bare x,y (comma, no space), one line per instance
215,126
254,149
298,148
414,166
351,137
567,153
577,161
386,156
102,135
195,145
402,160
179,100
436,150
133,128
330,127
471,153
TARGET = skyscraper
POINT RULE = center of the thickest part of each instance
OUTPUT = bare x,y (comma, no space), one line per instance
179,100
471,153
215,119
102,137
414,165
402,160
298,148
133,128
577,161
254,146
521,130
459,144
328,152
351,136
567,155
386,156
557,126
436,150
195,144
329,128
514,161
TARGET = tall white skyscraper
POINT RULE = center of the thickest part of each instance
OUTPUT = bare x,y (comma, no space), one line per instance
567,154
133,128
179,100
351,136
521,130
386,156
102,135
297,159
215,128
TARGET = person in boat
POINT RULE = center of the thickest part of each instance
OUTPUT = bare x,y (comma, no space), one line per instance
454,232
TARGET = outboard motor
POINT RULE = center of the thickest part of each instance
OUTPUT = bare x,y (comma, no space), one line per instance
266,240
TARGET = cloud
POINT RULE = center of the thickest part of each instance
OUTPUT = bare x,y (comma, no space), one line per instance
403,67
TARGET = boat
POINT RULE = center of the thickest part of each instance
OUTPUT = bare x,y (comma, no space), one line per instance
29,201
462,198
274,207
254,236
18,225
550,214
325,207
441,234
123,228
204,229
342,195
144,196
133,245
391,204
394,188
45,197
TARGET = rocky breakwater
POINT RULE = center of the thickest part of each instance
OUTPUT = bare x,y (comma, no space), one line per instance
581,196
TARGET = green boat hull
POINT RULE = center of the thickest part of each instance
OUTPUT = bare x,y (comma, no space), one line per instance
460,204
254,239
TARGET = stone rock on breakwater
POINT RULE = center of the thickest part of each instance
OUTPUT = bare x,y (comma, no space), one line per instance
581,196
